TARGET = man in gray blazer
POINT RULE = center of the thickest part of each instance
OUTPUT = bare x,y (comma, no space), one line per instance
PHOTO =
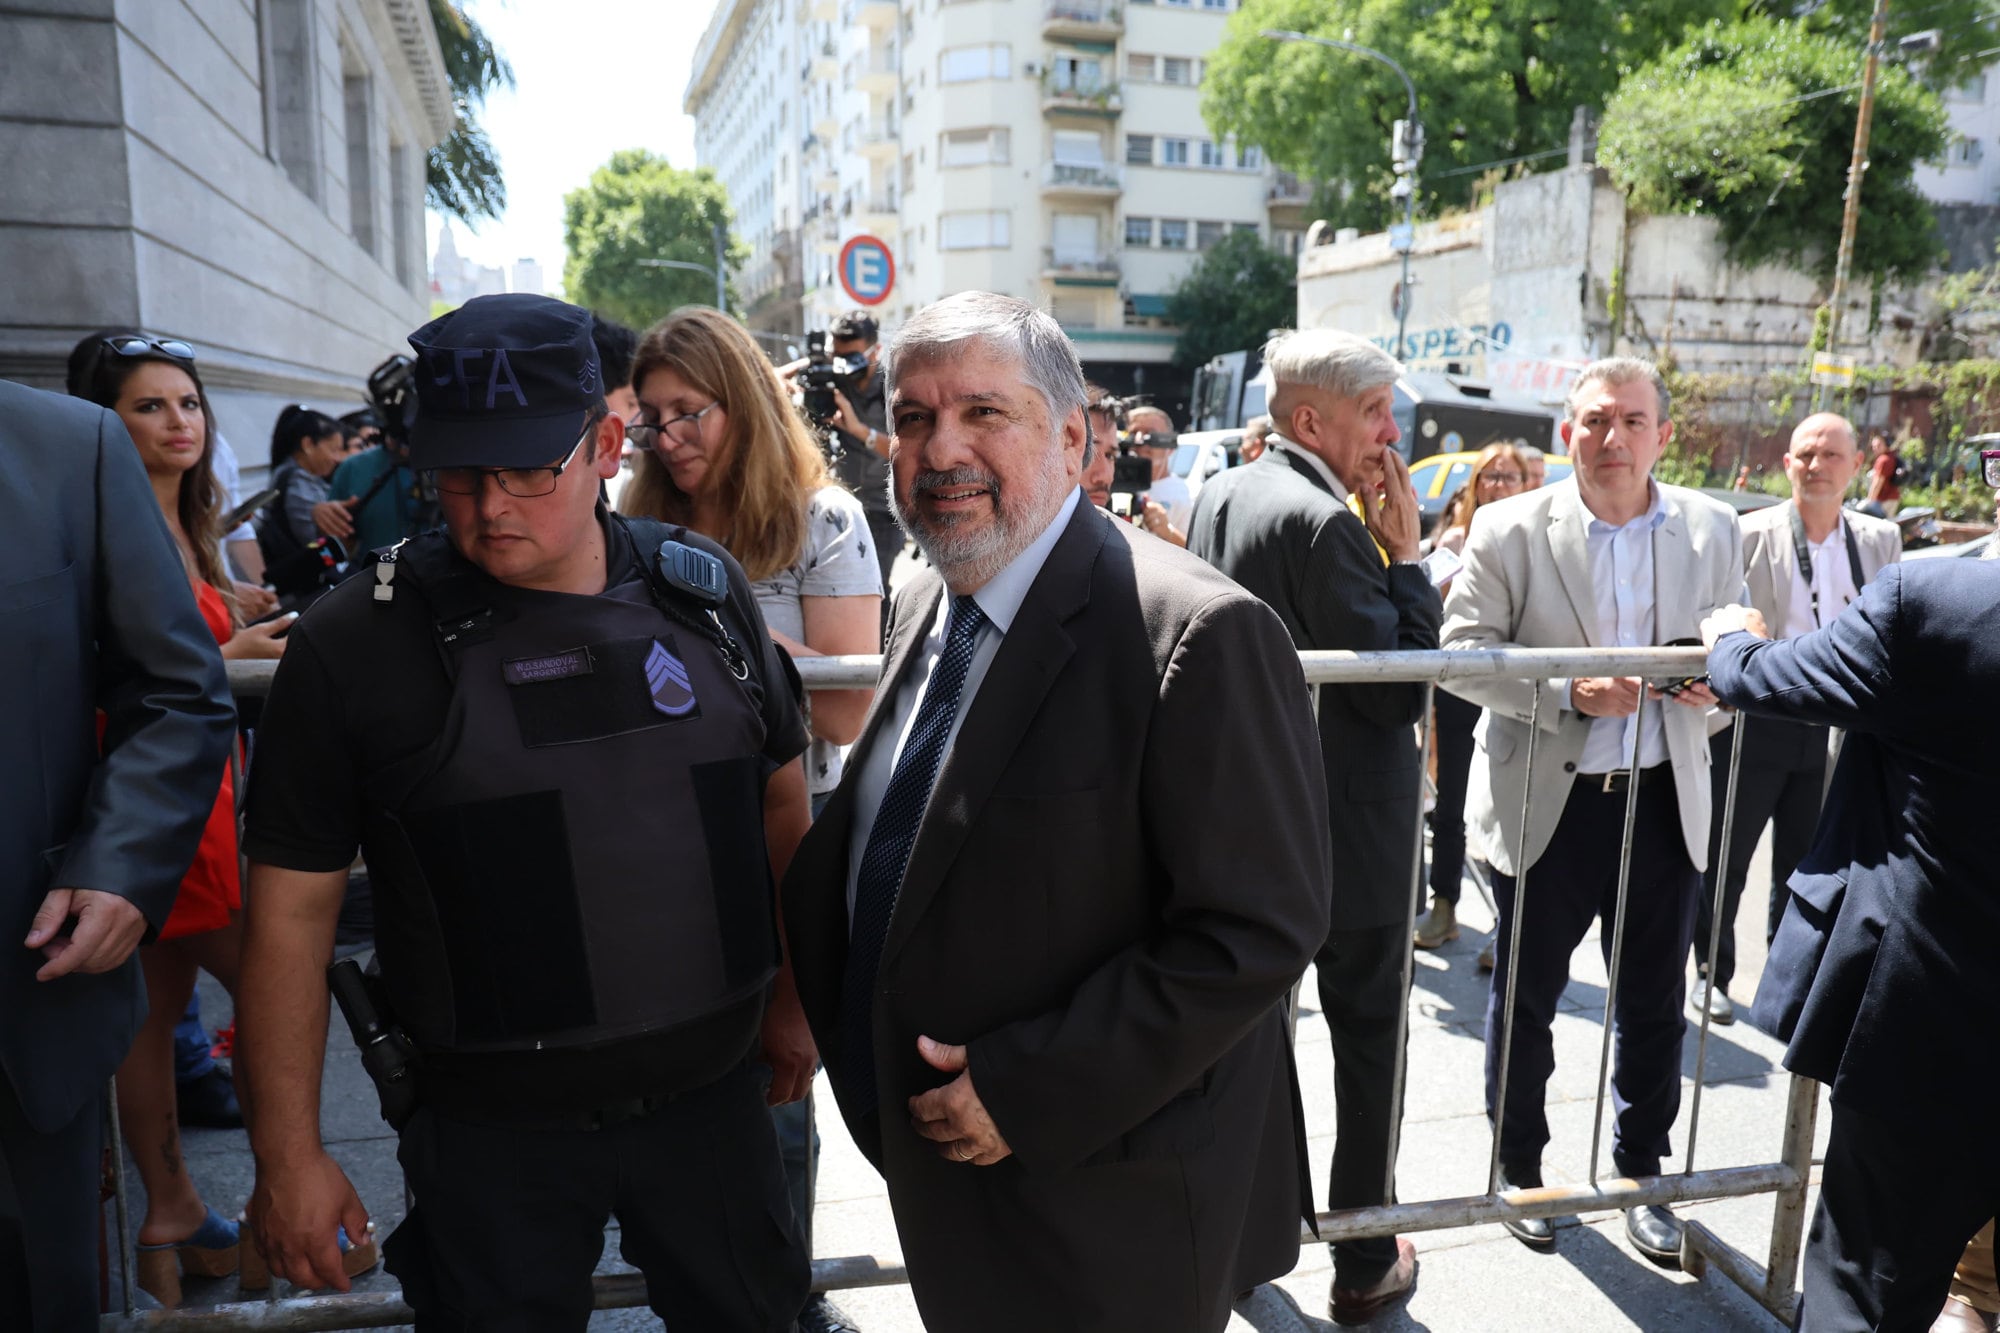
1282,528
1805,561
1614,560
95,614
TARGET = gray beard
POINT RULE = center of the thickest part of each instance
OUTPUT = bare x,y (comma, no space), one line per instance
971,558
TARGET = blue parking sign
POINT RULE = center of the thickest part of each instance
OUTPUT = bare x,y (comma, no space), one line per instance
867,270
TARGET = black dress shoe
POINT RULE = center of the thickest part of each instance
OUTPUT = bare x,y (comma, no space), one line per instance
823,1316
1656,1233
1536,1233
209,1102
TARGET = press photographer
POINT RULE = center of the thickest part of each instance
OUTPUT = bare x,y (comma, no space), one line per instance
858,420
1142,488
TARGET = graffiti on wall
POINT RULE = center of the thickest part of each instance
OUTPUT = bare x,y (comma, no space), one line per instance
1453,342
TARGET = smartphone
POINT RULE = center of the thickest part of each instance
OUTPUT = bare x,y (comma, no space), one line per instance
1989,462
1673,686
235,518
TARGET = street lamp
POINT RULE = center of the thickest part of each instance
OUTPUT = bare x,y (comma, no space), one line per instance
1406,149
721,292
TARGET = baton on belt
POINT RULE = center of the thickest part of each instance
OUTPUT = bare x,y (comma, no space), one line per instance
387,1053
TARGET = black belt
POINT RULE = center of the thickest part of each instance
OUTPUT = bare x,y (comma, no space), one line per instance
586,1121
1619,780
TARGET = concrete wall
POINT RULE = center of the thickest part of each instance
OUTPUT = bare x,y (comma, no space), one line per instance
143,187
1522,292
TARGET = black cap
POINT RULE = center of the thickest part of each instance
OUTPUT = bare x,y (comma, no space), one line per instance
503,381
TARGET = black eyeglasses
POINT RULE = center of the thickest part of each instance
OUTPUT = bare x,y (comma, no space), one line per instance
683,429
523,483
141,344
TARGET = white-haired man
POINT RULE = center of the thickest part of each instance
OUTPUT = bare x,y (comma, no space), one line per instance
1050,992
1616,560
1282,528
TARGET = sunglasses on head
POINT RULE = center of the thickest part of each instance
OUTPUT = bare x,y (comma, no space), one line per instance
141,344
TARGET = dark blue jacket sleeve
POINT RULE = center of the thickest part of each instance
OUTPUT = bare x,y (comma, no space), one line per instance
1839,676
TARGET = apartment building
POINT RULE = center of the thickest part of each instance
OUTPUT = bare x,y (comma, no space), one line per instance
747,96
248,176
1051,149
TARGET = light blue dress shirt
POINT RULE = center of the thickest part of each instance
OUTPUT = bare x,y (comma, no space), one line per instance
1622,577
1001,600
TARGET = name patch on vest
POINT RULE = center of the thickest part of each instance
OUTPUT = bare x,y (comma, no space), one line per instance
667,678
558,666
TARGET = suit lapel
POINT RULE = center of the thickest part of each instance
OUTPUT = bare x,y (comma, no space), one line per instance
1673,613
1570,543
1030,657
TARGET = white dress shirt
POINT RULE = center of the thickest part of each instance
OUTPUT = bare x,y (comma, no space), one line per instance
1830,574
1000,600
1315,462
1621,577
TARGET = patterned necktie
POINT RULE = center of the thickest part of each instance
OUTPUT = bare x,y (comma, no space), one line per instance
880,880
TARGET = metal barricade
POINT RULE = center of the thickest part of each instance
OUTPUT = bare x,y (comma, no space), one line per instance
1772,1284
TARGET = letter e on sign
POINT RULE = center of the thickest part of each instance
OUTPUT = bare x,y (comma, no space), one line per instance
867,270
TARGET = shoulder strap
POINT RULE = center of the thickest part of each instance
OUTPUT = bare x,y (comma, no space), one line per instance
648,536
1853,554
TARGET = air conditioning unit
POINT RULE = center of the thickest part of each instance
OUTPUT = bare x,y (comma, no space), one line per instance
1031,68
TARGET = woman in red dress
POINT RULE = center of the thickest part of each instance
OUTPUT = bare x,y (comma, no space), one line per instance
152,385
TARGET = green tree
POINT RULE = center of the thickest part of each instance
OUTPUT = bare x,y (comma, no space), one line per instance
462,174
637,207
1965,28
1237,292
1495,79
1752,123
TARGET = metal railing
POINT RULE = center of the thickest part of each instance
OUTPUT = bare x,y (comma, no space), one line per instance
1081,176
1772,1284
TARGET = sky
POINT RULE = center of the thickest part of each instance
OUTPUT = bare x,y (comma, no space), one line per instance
591,77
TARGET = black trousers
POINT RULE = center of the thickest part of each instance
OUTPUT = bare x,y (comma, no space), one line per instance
48,1220
1360,993
509,1221
1783,777
1574,883
1897,1204
1455,720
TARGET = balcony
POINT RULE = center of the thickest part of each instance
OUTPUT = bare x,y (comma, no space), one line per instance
825,67
1288,190
877,72
1087,97
1078,268
1082,21
878,139
875,13
824,11
1087,180
880,214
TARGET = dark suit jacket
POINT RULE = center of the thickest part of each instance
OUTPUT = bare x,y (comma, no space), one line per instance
1277,529
95,612
1885,972
1118,879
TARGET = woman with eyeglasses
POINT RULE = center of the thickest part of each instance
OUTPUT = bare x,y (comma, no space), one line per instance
152,384
1497,473
722,450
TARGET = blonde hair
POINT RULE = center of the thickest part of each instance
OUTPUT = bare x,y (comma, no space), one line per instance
1465,500
768,467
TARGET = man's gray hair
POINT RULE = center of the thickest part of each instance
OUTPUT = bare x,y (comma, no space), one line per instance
1614,371
1529,453
1344,365
942,330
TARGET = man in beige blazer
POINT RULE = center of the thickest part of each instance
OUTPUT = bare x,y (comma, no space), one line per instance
1784,762
1615,559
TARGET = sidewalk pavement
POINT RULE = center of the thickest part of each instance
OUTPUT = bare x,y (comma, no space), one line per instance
1475,1280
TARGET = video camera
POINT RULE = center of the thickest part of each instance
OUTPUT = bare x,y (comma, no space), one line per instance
1132,473
823,373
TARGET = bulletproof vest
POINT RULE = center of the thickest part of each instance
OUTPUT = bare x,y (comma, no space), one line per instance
579,857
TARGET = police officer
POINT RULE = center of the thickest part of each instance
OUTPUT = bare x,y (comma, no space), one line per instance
568,749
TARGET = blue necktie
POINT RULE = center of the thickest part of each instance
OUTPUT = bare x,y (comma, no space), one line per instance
880,880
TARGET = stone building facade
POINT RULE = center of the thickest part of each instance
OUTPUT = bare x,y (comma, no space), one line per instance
247,175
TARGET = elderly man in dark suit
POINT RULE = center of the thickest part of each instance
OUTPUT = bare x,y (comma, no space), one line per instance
1048,985
1882,978
95,614
1283,529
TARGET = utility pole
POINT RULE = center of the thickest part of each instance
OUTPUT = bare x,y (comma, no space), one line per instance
1406,150
1857,166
